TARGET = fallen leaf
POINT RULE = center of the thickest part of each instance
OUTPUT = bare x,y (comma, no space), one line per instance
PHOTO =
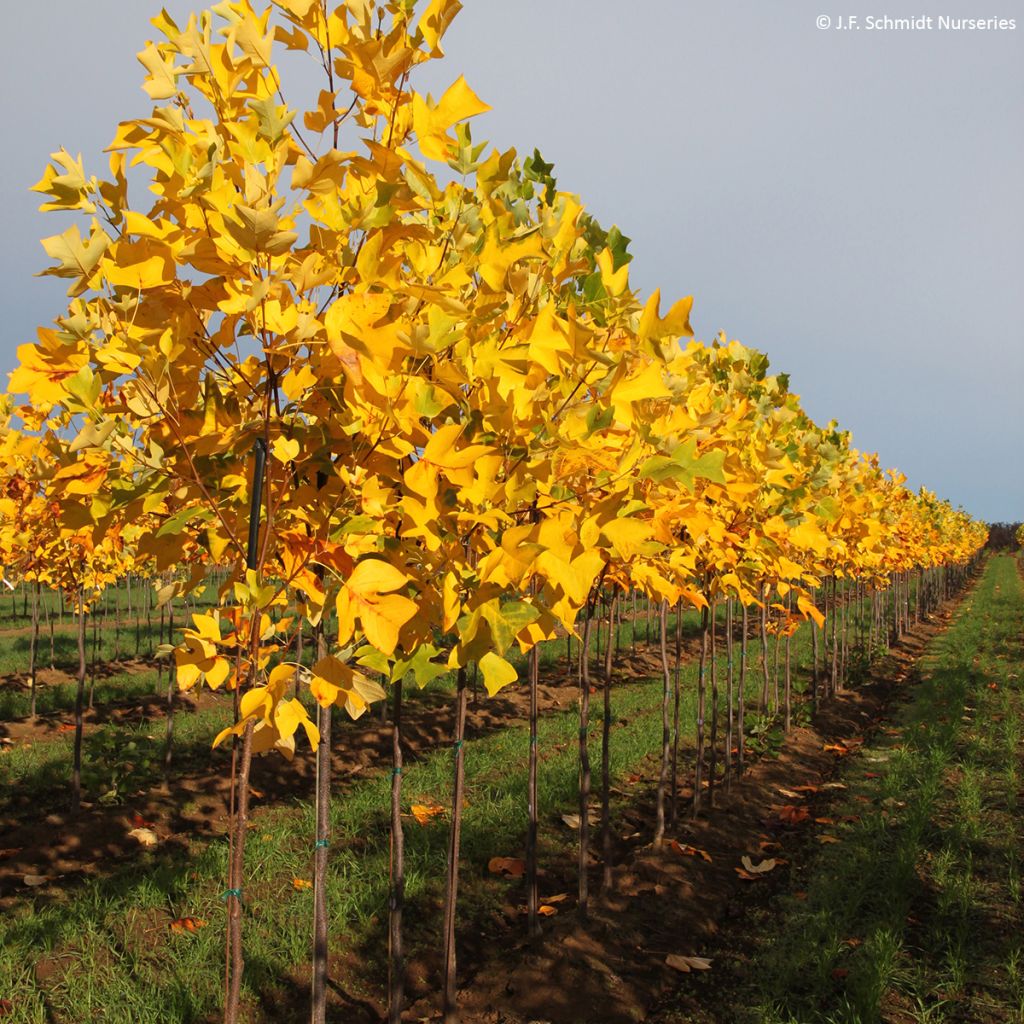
145,836
66,727
515,867
872,775
826,838
760,868
560,897
258,793
35,880
10,852
138,821
6,1007
684,850
573,820
824,821
187,924
788,793
853,942
839,973
546,910
425,813
298,884
791,815
688,963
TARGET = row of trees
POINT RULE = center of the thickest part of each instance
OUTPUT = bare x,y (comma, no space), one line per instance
434,405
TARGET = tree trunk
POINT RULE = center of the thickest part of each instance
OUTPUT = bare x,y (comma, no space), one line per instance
33,645
606,770
713,767
583,856
449,1007
740,736
76,765
698,780
396,966
321,848
676,696
666,735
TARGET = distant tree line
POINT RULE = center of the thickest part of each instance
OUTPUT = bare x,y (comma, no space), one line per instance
1002,536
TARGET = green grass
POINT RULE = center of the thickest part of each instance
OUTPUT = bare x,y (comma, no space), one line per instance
102,950
916,915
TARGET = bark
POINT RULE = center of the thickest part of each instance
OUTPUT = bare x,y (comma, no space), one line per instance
606,772
396,968
450,1011
666,736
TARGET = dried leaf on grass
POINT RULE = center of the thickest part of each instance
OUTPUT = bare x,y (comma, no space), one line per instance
762,867
688,963
298,884
187,924
685,850
144,836
426,813
514,867
791,814
35,880
573,820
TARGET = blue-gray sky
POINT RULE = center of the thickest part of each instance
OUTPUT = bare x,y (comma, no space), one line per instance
847,199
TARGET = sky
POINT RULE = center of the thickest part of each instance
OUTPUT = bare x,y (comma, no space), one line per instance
845,198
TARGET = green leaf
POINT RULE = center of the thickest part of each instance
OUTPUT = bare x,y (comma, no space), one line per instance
177,523
507,620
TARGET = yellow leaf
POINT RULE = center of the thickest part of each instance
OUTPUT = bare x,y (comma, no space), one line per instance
497,672
284,449
432,121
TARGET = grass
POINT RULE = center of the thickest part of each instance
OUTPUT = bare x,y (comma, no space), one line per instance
102,950
916,915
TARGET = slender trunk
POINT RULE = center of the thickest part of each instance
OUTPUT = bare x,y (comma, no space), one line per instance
764,650
713,767
834,682
787,693
776,703
396,966
814,656
49,624
169,738
76,765
674,795
532,900
92,665
606,761
702,664
729,694
449,1008
33,644
740,737
666,735
236,870
583,852
321,848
